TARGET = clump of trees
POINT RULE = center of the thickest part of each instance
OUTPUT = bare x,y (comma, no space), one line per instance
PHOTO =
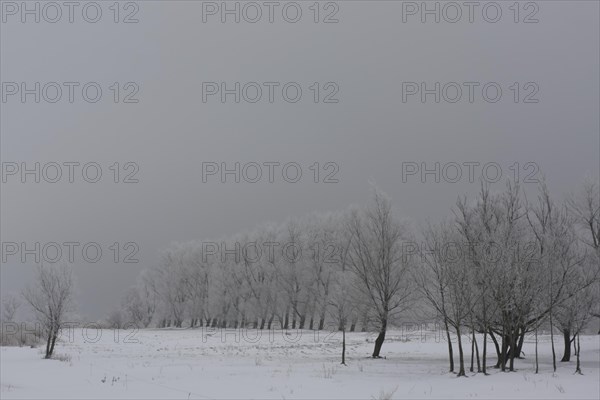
502,266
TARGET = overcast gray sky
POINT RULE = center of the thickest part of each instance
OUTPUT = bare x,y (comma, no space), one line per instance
369,133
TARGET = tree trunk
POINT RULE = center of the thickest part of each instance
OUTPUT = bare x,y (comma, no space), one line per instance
484,358
263,320
498,353
52,345
311,315
450,351
380,338
353,323
365,321
537,365
520,344
578,368
552,342
48,345
504,349
567,339
270,321
513,349
343,346
477,354
471,368
485,332
322,319
287,318
461,356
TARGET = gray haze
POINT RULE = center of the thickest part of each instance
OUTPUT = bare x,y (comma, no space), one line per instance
369,133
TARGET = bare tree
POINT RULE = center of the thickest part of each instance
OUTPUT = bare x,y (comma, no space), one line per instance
376,257
341,305
570,277
586,209
171,283
321,237
139,302
115,319
51,298
10,306
342,301
432,279
459,296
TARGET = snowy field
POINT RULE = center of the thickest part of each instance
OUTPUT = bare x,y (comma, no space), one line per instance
200,364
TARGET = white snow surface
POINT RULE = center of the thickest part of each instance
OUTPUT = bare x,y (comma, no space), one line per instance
214,364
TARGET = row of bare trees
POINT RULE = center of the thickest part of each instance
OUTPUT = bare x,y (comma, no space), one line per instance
342,270
503,266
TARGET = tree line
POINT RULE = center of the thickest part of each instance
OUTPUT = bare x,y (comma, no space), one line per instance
502,265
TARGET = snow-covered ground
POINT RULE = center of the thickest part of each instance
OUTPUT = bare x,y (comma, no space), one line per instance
200,364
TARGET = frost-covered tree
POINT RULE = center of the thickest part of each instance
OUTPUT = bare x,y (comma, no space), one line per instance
139,302
51,298
377,259
10,306
443,280
585,206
